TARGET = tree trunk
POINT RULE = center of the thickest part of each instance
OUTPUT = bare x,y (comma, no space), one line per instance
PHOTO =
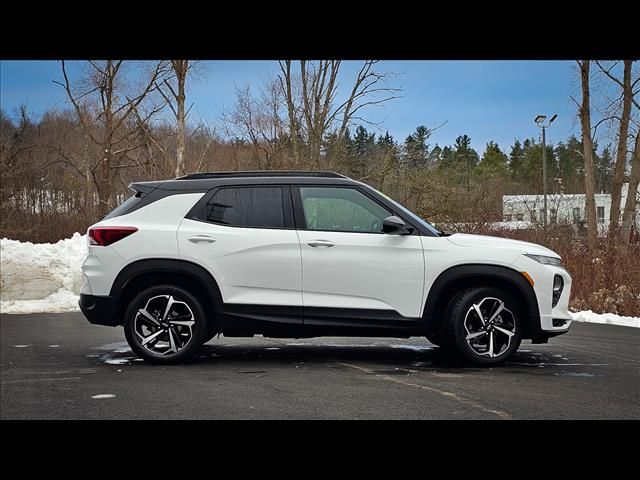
621,155
180,67
585,121
632,198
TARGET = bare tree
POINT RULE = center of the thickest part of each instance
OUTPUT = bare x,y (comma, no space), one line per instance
15,142
105,110
621,153
632,196
313,109
258,121
585,121
176,102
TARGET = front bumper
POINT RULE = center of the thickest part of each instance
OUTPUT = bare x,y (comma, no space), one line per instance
99,310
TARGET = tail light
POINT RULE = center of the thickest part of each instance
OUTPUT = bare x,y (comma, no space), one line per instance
103,236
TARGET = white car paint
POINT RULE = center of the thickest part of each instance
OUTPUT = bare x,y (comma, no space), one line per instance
278,267
251,265
363,270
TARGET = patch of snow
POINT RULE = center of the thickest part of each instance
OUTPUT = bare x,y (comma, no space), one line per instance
606,318
22,346
117,361
415,348
54,346
41,277
103,395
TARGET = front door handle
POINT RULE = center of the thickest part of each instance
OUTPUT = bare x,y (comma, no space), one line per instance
321,243
201,239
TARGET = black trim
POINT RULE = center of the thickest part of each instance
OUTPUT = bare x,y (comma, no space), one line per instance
359,321
482,272
99,310
298,321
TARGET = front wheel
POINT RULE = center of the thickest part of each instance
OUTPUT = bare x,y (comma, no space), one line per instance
483,325
165,324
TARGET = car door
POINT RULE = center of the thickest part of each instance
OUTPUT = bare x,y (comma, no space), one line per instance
245,237
347,260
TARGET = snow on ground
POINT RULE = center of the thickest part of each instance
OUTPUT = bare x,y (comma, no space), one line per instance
42,277
608,318
46,278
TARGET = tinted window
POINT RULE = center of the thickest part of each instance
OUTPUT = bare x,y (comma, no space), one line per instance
129,205
247,207
341,210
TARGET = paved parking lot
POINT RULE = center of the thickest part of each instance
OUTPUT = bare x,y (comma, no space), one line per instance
57,366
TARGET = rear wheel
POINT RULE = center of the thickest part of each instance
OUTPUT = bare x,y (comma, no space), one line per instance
483,326
165,324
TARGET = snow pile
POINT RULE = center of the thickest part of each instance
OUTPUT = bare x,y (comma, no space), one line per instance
608,318
41,277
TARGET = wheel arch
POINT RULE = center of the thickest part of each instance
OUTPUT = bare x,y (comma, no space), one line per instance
459,277
141,274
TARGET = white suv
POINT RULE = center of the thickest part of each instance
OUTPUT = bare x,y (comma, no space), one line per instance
305,254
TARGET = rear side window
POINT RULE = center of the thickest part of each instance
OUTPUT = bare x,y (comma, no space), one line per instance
260,207
129,205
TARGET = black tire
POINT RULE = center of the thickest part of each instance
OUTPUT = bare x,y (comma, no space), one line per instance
492,347
193,338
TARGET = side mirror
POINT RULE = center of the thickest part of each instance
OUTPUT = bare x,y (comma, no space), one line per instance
395,226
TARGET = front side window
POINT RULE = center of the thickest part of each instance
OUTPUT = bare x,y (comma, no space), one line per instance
600,214
258,207
341,210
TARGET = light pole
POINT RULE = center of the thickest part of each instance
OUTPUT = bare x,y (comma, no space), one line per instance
540,122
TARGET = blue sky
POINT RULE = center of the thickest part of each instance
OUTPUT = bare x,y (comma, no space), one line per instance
487,100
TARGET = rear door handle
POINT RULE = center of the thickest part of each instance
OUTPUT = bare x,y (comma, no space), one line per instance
321,243
201,239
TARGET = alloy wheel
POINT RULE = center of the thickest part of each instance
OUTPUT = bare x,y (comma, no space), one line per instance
165,325
489,327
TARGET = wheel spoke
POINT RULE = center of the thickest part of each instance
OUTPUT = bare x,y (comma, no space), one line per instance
147,316
476,307
166,310
497,312
151,337
471,336
184,323
491,344
173,342
504,330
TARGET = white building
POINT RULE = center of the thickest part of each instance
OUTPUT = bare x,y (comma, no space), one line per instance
563,208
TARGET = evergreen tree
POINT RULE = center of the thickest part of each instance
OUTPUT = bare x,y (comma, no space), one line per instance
435,155
604,170
416,148
465,157
516,161
494,162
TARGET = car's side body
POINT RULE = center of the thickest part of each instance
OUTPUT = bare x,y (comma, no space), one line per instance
297,280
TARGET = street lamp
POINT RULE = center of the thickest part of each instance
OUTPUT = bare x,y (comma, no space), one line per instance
540,121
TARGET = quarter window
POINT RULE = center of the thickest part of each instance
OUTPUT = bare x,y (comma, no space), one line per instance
341,210
260,207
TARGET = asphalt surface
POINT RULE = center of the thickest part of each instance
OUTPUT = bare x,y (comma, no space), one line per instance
57,366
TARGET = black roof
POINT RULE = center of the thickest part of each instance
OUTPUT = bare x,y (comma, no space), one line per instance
260,173
195,182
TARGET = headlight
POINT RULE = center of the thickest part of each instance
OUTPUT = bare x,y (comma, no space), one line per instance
545,260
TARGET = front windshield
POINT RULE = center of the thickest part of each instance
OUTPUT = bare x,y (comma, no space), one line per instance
408,213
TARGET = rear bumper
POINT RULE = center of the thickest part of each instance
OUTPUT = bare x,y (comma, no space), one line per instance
99,310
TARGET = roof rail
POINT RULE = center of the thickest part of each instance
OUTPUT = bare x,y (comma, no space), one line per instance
260,173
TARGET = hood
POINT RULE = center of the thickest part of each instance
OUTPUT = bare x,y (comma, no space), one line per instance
468,240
